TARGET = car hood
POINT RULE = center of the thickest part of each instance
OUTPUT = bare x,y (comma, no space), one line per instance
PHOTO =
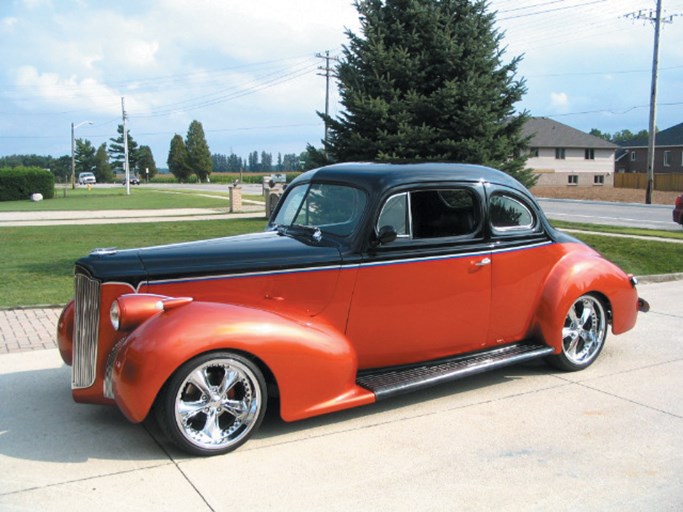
230,255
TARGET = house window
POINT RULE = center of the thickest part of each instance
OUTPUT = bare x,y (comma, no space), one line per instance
533,152
667,158
633,156
599,179
573,179
559,153
590,154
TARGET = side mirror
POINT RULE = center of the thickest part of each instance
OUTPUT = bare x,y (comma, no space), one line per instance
386,235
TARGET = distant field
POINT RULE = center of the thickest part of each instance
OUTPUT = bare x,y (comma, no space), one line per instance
116,199
36,262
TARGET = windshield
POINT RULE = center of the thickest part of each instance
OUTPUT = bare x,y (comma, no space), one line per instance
333,209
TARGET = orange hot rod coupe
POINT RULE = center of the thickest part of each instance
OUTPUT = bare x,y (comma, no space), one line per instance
370,280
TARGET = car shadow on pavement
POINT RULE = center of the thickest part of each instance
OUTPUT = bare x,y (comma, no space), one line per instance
478,387
470,391
41,421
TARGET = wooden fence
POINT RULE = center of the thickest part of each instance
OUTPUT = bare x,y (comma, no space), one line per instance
666,182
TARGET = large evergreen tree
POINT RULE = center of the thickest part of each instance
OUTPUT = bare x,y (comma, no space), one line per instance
425,80
178,159
84,156
198,151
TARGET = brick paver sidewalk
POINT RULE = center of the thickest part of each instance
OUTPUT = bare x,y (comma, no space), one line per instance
28,329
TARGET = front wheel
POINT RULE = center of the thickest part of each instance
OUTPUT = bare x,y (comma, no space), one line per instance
213,403
583,334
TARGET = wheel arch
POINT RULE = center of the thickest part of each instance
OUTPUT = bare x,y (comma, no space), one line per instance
576,275
311,367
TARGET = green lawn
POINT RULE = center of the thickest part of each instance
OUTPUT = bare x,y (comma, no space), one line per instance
116,199
36,263
618,229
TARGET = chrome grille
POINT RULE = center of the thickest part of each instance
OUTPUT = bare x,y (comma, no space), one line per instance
86,327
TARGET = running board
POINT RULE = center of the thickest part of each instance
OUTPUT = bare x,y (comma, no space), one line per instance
386,383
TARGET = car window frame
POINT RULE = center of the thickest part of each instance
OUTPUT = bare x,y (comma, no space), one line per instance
476,236
527,229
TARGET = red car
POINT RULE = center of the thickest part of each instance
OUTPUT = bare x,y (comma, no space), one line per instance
371,280
678,210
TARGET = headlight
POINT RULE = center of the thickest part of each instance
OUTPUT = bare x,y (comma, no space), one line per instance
115,315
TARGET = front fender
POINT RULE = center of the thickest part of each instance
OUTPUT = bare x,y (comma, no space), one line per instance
576,274
314,365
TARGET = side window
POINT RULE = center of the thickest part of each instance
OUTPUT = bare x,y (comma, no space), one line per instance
443,213
395,213
508,214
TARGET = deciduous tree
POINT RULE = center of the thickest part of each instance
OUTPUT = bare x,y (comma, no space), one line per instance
178,159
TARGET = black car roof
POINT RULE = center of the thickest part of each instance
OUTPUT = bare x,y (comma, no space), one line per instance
380,176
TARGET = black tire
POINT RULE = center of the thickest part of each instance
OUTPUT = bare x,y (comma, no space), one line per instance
583,334
213,403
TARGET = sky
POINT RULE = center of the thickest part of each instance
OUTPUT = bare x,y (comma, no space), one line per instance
249,71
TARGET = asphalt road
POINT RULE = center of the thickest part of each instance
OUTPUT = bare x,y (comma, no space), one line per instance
524,438
614,214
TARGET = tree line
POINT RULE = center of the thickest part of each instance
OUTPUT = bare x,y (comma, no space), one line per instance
256,162
186,157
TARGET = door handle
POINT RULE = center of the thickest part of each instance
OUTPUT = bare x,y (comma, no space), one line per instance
483,263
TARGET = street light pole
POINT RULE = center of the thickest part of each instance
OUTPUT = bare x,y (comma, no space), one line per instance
73,152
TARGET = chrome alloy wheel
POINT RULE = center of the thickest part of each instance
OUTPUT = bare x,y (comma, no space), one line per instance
219,404
584,331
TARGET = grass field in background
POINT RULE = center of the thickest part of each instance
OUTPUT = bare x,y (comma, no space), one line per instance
36,263
109,198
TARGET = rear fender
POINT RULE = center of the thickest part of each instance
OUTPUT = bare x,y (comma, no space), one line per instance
576,275
314,365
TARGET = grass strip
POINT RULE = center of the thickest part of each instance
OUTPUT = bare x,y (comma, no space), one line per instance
620,230
36,262
116,199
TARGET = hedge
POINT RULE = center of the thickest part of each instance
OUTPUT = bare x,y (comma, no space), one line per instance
18,183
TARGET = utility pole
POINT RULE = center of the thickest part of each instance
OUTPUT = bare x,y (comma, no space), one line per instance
657,20
328,71
125,147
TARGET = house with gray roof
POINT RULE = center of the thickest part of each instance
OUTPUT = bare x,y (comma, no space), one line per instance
632,157
564,156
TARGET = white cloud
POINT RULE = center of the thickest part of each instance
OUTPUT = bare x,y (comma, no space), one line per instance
559,101
8,23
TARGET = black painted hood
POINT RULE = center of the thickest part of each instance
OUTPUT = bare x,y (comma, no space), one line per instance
229,255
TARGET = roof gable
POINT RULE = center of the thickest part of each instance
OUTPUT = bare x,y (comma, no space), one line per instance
546,133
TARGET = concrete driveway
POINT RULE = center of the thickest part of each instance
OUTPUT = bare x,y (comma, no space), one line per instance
522,438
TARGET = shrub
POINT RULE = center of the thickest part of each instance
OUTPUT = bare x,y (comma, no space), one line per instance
18,183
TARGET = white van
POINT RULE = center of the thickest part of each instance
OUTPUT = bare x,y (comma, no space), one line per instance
86,178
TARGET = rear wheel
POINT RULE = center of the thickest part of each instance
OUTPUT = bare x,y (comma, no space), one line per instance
213,403
583,334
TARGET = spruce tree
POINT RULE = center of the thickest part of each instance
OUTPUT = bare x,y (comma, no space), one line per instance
198,151
116,151
425,81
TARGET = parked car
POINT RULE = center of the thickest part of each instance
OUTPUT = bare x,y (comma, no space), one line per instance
371,280
678,210
86,178
133,180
